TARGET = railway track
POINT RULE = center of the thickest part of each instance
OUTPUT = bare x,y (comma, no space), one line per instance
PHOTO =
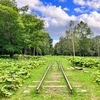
63,76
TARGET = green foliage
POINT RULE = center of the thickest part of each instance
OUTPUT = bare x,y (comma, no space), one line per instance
85,62
64,47
21,32
13,73
24,9
97,77
10,29
88,63
82,82
78,41
84,33
9,3
34,37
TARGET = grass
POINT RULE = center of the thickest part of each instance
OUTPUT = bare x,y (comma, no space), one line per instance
82,82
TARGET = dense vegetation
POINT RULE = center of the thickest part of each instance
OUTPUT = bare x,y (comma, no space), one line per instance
88,62
14,74
24,34
21,32
79,40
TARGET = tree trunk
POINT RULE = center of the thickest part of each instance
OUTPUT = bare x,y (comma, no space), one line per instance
2,51
11,54
34,51
73,46
23,51
37,53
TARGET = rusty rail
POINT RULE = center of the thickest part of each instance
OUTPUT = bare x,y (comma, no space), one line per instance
39,85
66,79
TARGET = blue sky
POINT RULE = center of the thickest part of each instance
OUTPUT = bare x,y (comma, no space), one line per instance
68,5
58,13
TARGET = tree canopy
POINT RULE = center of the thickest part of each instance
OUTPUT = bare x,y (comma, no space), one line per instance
25,33
11,28
22,32
80,37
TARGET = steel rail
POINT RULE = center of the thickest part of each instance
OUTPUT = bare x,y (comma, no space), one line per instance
66,79
39,85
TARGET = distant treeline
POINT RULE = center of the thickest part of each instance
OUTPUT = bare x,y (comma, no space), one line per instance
79,40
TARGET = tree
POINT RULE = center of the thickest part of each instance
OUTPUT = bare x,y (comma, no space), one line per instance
10,30
13,4
9,3
95,46
63,47
71,32
24,9
84,32
77,40
32,31
36,39
72,24
46,44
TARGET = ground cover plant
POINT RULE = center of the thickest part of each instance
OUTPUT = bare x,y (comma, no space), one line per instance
13,73
89,62
83,81
86,61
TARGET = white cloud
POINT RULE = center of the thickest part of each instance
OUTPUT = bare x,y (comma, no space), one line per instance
78,10
56,19
31,3
93,20
95,4
66,9
79,2
54,42
53,12
62,0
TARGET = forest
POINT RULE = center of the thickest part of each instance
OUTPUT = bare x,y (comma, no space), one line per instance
22,33
29,60
79,40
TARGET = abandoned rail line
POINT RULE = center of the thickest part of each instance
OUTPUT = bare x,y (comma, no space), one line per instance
63,74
